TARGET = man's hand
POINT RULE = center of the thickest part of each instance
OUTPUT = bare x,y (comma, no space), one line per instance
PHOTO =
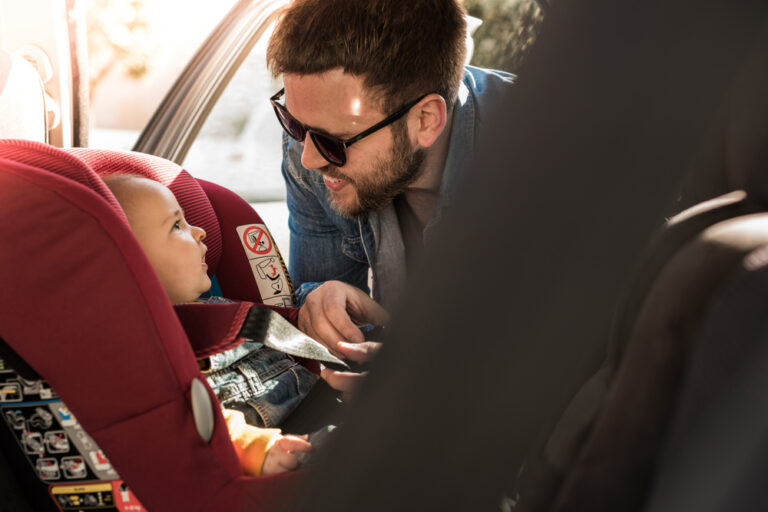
281,457
333,311
347,382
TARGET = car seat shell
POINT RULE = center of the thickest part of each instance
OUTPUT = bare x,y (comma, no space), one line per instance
83,306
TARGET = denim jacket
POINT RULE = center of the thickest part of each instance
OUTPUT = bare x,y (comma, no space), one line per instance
325,246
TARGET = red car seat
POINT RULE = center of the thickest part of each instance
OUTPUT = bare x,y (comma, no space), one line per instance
83,307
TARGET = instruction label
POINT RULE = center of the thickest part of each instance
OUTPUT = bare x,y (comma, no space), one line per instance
267,265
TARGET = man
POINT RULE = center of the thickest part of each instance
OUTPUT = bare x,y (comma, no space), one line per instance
381,117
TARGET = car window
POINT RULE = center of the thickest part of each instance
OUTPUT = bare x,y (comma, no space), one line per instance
239,146
136,51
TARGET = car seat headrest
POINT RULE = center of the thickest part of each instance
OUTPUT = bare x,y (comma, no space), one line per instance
191,197
54,160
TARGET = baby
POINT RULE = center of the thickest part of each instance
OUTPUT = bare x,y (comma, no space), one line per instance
177,252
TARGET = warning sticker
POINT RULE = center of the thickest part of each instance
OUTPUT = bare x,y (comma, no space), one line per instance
112,496
267,265
257,240
97,496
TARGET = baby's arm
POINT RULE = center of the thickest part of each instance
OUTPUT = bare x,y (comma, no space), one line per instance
262,450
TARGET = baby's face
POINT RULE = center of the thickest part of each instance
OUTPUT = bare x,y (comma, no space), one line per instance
175,249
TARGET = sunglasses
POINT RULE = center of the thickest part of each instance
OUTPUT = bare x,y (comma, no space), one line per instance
331,148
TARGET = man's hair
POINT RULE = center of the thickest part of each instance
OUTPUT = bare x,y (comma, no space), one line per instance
401,48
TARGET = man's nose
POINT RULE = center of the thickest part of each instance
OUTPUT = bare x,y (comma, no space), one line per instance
310,156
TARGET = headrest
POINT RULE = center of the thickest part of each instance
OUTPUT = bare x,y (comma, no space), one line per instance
22,100
191,197
55,160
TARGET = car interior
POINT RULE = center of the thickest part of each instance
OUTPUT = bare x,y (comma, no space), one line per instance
609,355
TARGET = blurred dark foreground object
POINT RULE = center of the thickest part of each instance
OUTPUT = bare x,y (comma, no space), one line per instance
512,313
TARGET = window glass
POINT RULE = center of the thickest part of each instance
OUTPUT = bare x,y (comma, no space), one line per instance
136,50
239,145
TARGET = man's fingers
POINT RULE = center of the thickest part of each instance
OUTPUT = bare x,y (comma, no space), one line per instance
286,461
358,352
294,444
340,320
334,303
314,324
333,311
366,310
327,336
345,382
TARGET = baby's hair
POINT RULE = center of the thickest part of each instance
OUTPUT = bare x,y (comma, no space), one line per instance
119,184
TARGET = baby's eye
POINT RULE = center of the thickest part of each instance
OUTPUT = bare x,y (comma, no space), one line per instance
177,224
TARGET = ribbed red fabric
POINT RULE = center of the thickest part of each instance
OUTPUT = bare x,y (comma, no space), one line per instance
57,161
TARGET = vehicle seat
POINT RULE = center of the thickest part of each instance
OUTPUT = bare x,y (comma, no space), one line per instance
22,100
714,457
83,307
603,452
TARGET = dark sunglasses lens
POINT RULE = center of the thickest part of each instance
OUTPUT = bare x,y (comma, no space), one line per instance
290,124
332,150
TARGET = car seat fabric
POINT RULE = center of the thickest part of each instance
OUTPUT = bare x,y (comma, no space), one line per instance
715,457
82,305
58,162
613,468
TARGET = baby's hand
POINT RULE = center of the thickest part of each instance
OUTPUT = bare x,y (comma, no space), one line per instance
280,456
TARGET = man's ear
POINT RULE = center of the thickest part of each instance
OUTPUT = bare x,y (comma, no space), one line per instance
427,120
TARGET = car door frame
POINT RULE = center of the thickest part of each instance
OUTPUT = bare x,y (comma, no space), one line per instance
178,119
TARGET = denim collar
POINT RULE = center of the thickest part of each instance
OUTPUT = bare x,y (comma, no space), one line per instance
460,147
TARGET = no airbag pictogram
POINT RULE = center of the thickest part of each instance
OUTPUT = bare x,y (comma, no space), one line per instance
257,240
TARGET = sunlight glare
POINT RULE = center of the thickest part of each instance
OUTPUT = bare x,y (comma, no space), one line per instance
356,104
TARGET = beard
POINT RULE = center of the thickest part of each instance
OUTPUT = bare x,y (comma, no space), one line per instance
384,181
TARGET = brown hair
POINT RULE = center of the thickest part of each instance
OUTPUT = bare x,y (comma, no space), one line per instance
401,48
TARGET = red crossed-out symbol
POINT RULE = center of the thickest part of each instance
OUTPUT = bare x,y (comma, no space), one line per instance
257,240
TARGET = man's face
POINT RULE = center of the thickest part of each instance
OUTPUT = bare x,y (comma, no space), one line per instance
378,167
174,248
